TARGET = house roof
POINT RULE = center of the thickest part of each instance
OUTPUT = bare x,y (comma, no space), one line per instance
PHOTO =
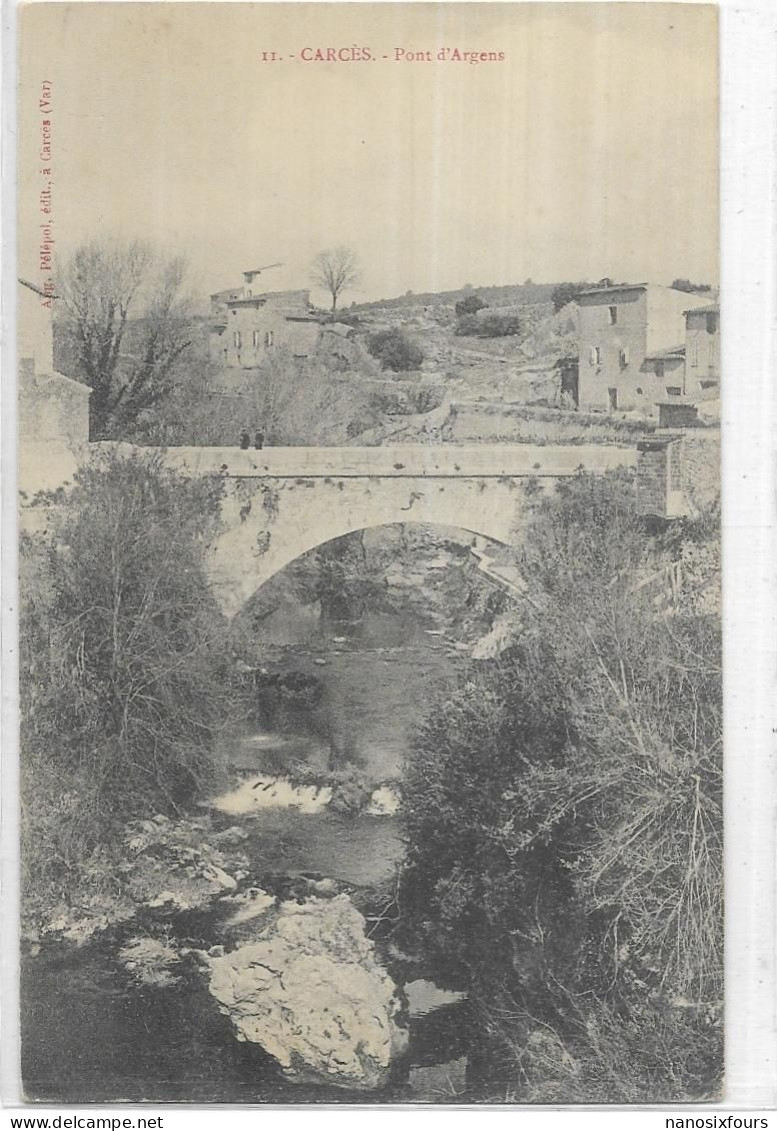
293,299
38,291
710,308
615,287
253,300
660,355
60,379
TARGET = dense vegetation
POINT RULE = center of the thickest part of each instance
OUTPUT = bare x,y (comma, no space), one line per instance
470,305
291,402
691,288
395,350
567,292
563,813
126,330
494,324
123,664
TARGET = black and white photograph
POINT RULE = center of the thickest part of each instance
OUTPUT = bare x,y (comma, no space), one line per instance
369,510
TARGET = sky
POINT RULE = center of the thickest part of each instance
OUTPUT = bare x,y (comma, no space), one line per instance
590,150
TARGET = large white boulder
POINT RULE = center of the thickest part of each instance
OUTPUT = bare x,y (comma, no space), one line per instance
310,992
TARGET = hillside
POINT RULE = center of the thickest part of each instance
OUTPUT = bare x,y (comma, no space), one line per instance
512,294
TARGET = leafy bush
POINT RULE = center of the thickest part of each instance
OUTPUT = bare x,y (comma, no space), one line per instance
489,326
689,287
470,305
66,836
123,654
649,1053
468,326
500,325
395,350
563,806
567,292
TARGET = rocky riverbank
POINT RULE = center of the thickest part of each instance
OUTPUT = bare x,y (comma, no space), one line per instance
292,968
268,910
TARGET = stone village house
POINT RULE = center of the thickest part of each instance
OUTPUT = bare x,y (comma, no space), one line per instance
632,346
53,409
246,326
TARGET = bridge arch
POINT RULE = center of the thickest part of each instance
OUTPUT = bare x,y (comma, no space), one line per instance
269,528
278,503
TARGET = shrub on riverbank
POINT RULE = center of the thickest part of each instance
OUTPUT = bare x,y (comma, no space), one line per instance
123,664
563,812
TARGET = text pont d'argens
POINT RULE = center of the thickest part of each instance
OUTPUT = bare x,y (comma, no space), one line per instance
355,54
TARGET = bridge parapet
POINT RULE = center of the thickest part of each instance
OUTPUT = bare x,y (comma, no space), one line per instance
449,461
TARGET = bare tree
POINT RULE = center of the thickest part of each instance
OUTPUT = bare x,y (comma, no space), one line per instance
126,326
335,270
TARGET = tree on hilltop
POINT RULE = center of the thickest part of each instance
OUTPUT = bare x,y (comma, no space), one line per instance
470,305
567,292
335,270
689,287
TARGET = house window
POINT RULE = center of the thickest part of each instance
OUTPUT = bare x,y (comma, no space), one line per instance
613,314
268,338
238,340
595,356
673,391
660,370
712,322
694,352
255,338
639,390
624,356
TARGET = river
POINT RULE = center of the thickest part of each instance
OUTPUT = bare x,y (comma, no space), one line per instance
90,1033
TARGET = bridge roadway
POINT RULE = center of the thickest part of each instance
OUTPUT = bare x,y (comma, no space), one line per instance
438,461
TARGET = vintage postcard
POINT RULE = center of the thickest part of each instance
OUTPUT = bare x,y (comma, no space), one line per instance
369,508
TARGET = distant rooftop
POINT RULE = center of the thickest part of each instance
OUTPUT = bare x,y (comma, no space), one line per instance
299,294
710,308
616,287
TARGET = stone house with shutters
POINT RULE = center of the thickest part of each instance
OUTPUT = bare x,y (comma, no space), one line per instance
702,352
246,327
631,346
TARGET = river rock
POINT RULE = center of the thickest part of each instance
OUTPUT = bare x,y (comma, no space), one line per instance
384,801
150,961
248,905
310,991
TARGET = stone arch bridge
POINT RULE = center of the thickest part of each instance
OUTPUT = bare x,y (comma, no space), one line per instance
281,502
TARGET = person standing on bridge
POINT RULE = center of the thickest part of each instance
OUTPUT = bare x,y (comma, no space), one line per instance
258,440
245,440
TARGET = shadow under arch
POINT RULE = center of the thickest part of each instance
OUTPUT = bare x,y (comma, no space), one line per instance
254,547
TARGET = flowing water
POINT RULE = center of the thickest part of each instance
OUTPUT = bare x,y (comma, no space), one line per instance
91,1034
